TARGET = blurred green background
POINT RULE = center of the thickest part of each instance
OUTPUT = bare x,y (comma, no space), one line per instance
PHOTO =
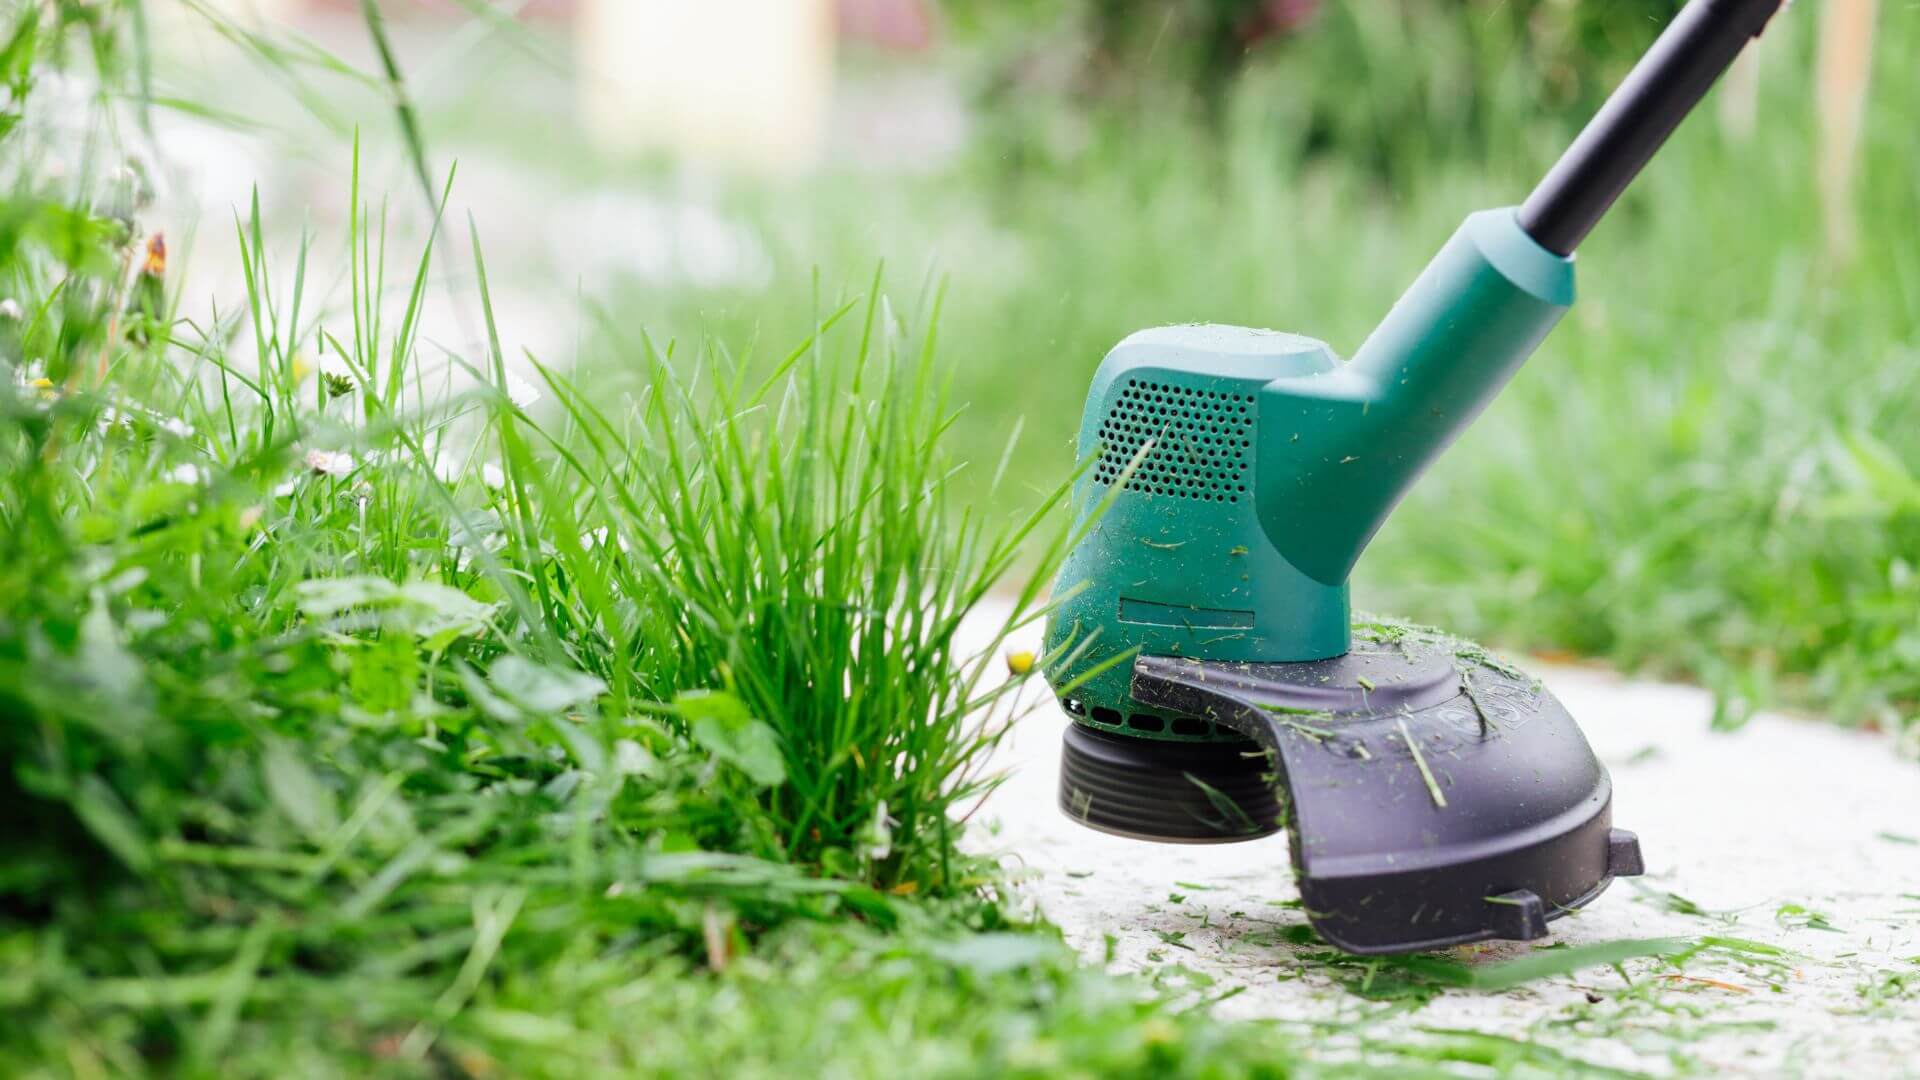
1709,470
336,706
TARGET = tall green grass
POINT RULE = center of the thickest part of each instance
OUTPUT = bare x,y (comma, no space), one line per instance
793,531
366,712
311,741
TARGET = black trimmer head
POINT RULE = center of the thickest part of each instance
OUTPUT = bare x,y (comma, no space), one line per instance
1432,795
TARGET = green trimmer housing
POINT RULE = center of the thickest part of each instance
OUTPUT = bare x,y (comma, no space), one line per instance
1203,630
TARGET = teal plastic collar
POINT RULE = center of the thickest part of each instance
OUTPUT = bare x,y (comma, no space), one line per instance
1243,471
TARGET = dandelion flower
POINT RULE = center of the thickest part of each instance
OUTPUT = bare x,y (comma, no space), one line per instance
1019,661
330,462
155,262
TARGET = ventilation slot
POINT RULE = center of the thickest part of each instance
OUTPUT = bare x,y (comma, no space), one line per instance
1191,725
1204,440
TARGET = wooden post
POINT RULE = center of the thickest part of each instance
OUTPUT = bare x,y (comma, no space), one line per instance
1739,93
1844,68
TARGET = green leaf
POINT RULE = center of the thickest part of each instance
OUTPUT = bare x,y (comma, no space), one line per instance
384,674
538,688
1882,469
1189,976
321,597
1800,916
99,808
1545,963
108,664
298,793
1878,482
876,837
721,723
482,697
438,614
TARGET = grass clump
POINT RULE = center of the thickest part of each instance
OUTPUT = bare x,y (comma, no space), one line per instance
792,535
310,745
362,713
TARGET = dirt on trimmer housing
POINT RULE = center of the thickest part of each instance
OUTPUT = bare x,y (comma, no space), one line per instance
1202,638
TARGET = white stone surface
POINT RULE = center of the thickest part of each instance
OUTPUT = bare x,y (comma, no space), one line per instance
1783,812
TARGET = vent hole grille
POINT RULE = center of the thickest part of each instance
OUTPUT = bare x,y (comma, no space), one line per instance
1205,441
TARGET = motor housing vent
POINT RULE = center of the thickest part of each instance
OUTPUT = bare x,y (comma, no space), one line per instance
1204,440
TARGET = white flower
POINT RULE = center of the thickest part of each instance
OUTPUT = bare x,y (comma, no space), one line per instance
594,538
521,392
10,309
330,462
33,378
284,488
111,416
491,476
188,473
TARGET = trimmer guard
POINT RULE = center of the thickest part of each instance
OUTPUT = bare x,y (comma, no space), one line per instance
1432,796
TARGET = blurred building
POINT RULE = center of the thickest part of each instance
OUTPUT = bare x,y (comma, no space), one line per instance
740,83
745,82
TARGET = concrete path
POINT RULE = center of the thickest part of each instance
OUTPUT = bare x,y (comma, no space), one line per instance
1737,829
